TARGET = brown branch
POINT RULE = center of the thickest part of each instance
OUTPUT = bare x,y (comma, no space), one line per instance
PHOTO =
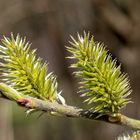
115,18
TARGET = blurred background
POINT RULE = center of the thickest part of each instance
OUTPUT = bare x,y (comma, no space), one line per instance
48,24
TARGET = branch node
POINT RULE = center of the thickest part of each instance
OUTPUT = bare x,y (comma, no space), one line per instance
25,102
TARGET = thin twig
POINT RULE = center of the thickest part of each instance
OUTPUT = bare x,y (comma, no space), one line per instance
65,110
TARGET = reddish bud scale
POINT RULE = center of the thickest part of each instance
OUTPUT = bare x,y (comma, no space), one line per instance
24,102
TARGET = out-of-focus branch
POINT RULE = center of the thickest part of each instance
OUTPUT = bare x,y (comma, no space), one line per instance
64,110
124,25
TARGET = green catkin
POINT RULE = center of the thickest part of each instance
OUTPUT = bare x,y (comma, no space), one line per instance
24,72
103,83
